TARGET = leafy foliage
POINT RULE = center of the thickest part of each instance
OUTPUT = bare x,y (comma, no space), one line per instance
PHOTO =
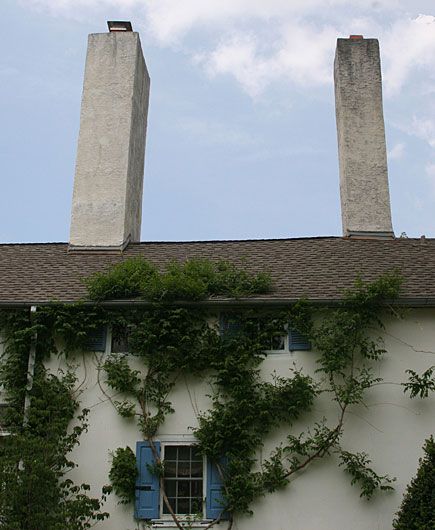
241,416
357,465
417,511
34,492
420,385
193,280
123,473
173,340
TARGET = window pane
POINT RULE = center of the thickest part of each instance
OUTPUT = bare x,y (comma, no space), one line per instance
170,469
184,469
196,505
183,505
173,503
196,488
171,452
183,488
120,345
184,452
277,343
171,488
196,469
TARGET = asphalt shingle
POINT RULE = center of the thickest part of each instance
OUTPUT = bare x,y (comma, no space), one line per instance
315,268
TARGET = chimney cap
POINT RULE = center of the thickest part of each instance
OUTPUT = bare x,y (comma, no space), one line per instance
119,25
356,37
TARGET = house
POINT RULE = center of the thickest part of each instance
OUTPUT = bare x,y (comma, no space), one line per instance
105,230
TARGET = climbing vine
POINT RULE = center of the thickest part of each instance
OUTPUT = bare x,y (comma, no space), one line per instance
123,474
35,492
170,337
245,408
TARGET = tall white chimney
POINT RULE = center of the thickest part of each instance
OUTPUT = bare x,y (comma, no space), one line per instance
107,198
365,197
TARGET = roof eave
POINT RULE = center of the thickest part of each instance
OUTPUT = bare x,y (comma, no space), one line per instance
415,302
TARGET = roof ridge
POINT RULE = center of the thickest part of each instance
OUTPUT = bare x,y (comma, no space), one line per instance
33,243
252,240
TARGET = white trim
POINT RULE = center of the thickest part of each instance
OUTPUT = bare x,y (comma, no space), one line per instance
284,350
108,349
177,439
169,523
163,524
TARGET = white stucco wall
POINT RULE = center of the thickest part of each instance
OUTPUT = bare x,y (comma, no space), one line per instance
390,427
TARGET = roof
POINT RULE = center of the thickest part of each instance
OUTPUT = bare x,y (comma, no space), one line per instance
316,268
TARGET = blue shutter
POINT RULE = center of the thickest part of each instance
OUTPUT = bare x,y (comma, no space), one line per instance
214,502
96,339
296,341
147,484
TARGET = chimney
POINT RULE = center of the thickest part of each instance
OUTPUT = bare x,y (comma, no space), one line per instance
365,197
107,198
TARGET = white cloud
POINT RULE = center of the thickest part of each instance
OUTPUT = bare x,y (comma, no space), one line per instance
408,46
172,18
239,57
300,53
421,125
68,6
396,152
423,128
260,43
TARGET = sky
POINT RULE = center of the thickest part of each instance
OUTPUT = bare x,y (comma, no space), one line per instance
241,131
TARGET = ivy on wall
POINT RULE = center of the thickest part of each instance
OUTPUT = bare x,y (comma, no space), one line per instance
35,492
172,339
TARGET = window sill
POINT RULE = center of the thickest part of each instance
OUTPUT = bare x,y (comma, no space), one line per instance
163,524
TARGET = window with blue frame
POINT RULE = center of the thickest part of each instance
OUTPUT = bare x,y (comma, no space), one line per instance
192,485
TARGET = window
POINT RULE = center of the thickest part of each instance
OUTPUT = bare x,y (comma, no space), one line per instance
3,409
119,338
3,413
183,479
289,340
193,485
277,343
229,326
96,340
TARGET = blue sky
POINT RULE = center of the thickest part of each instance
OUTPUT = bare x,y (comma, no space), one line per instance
241,134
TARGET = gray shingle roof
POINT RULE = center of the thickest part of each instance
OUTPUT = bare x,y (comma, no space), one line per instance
316,268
